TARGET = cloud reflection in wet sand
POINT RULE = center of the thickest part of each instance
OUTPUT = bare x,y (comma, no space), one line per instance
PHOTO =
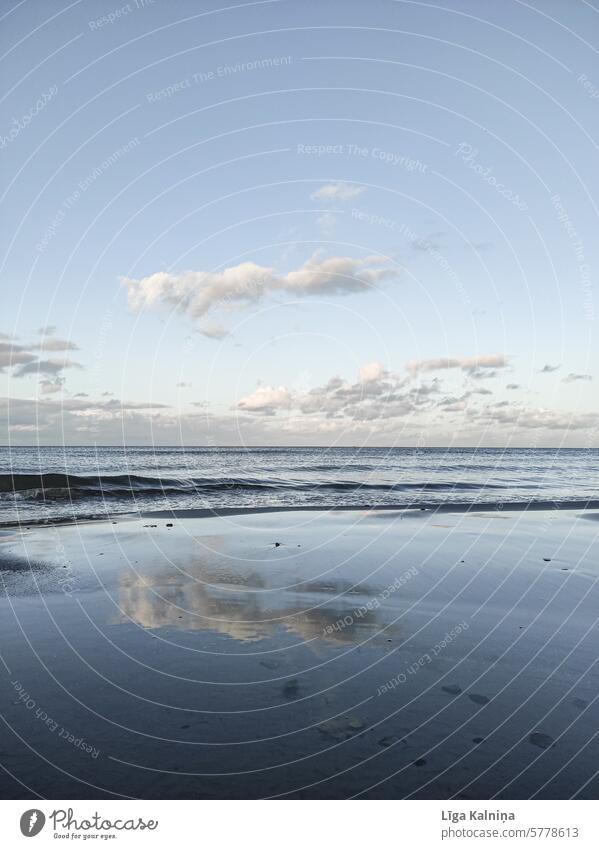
199,595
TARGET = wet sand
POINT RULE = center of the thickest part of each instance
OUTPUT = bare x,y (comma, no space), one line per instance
302,654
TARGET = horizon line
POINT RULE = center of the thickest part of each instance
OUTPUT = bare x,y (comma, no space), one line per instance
332,447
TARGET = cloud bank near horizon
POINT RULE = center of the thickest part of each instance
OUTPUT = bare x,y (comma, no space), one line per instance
438,399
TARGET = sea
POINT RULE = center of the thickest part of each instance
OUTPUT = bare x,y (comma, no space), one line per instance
49,484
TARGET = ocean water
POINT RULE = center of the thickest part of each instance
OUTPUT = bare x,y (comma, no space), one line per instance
40,484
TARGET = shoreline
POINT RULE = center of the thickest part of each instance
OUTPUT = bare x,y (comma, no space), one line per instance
208,512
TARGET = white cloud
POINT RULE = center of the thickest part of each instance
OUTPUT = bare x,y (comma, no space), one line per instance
195,293
338,192
372,372
266,400
469,364
374,396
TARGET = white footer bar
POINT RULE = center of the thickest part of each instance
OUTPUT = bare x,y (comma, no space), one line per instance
296,824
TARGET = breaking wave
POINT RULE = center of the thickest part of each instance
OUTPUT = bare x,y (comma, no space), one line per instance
53,485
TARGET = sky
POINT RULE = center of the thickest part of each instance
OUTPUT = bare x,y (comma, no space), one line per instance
326,222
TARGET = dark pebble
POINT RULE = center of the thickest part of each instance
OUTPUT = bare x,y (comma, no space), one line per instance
543,741
478,700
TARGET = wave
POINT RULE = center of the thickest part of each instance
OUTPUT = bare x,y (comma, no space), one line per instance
585,505
53,485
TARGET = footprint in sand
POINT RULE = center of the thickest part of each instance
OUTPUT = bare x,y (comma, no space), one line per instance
478,700
543,741
341,728
452,689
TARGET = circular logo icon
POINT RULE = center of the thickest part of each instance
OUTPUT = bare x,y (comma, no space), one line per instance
32,822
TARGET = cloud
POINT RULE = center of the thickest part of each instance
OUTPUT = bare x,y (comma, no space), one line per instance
547,369
372,372
377,395
572,377
12,354
53,385
24,360
390,410
195,293
472,365
49,368
214,331
115,404
53,344
69,421
338,192
266,400
543,419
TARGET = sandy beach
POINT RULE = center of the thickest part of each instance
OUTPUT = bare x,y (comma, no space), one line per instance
302,654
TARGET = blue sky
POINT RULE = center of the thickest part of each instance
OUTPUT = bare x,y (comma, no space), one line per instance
288,223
